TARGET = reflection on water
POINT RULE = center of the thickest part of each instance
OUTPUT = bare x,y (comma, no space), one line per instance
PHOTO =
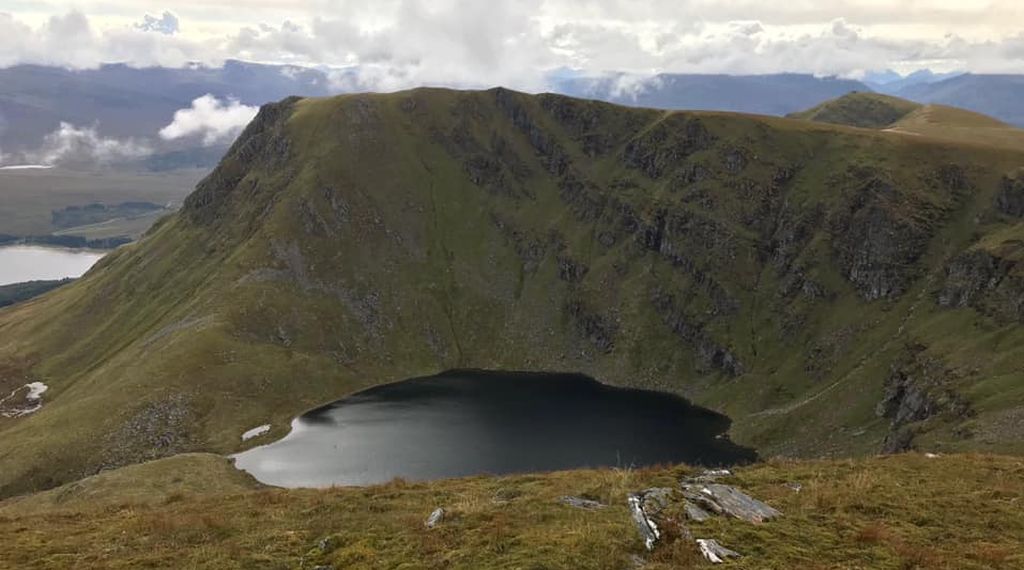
468,422
20,263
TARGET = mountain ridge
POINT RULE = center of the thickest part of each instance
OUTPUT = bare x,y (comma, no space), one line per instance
752,264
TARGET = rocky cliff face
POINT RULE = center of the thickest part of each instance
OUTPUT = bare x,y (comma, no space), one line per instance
1010,199
991,283
772,269
919,388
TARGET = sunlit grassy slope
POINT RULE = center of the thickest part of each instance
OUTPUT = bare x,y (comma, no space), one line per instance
897,512
859,109
938,122
834,290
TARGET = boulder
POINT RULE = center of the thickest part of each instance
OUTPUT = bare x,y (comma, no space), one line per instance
648,528
435,518
723,499
656,499
715,553
581,503
695,513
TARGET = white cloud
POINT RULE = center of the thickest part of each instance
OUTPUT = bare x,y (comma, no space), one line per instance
208,117
166,24
70,40
393,44
84,145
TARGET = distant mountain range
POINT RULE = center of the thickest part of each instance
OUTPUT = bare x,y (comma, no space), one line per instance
999,96
891,83
777,94
124,102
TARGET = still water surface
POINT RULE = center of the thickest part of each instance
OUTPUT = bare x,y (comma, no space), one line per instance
20,263
469,422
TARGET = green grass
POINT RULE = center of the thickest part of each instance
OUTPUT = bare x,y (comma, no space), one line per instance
953,124
894,512
18,292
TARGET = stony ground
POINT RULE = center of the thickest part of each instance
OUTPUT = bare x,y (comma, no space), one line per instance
194,511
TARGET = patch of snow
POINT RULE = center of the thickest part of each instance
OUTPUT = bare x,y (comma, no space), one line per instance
33,397
256,432
35,390
27,167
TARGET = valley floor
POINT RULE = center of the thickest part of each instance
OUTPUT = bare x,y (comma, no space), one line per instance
196,511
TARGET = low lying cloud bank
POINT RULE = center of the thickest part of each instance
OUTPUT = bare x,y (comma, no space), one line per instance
212,120
73,145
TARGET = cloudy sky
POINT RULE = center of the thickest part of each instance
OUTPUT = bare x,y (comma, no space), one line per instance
398,43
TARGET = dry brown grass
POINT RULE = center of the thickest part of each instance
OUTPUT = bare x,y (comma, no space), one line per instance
901,512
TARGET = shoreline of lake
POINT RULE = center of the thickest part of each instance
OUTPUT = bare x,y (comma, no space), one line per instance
463,423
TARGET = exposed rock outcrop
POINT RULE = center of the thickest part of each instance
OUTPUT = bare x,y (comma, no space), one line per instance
1010,199
991,282
875,247
157,429
581,503
649,531
653,509
666,145
726,500
713,552
264,141
599,330
710,354
919,387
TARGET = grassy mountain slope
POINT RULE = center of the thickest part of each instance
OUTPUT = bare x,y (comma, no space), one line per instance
859,109
951,123
880,513
937,122
154,482
834,290
18,292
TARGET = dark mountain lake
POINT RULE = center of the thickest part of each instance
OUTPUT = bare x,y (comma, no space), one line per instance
470,422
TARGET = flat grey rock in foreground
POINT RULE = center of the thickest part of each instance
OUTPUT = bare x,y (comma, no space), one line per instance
695,513
581,503
723,499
